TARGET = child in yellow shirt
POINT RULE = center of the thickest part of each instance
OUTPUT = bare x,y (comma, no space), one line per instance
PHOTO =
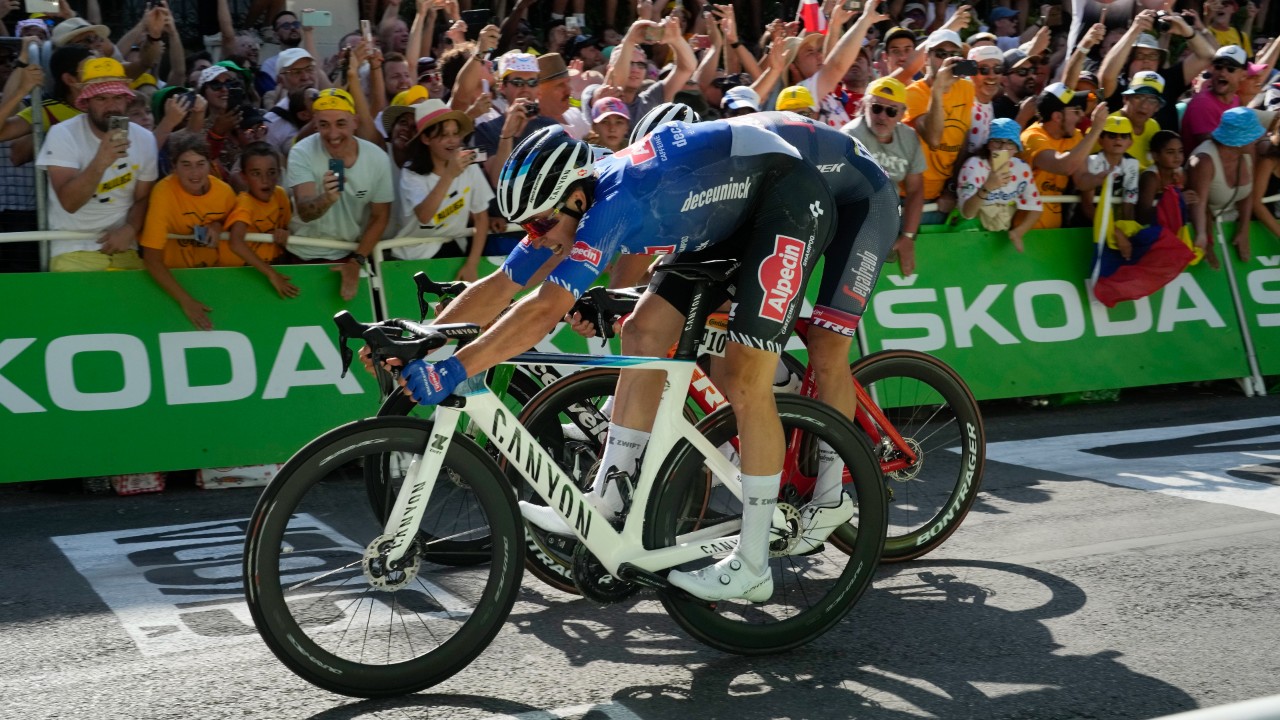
188,202
263,208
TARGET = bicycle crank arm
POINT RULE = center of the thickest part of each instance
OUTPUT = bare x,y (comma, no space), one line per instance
645,578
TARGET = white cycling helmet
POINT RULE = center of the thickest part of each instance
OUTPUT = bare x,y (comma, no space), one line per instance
666,112
540,171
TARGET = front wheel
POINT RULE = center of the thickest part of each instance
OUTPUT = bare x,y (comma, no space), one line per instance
341,616
932,412
811,592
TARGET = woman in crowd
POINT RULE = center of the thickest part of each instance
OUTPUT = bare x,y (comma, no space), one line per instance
442,188
995,185
1221,174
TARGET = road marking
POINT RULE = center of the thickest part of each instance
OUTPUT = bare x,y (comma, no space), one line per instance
176,588
1231,463
613,710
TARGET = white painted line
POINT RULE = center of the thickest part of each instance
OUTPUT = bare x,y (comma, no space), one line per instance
1208,462
613,710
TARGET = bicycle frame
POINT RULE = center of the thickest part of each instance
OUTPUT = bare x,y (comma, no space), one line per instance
611,547
869,417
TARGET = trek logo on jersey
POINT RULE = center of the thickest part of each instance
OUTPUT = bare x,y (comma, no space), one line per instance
780,277
832,168
863,278
583,252
638,153
727,191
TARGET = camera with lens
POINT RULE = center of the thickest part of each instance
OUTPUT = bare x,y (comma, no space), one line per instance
531,109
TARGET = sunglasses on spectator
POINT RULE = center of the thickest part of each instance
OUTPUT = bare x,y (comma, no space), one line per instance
289,25
639,64
1229,67
520,82
877,108
944,54
537,227
988,70
1021,72
219,84
435,77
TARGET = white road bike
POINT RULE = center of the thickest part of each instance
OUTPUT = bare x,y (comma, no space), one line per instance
432,567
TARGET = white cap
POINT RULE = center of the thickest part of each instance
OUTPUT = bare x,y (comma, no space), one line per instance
288,57
937,37
986,52
1234,53
211,73
517,62
740,97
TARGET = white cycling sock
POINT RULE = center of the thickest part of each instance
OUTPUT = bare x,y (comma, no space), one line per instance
830,476
622,449
759,498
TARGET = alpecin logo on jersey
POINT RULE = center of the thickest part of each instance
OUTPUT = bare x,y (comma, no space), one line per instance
638,153
583,252
780,277
727,191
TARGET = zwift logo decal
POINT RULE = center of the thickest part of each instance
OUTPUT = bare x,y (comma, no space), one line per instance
779,275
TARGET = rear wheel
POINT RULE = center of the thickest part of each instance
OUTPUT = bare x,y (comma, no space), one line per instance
811,592
931,408
330,605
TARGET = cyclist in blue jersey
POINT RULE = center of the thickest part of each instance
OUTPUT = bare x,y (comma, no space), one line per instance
683,189
869,219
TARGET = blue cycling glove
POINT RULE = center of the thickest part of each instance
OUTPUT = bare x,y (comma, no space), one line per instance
432,383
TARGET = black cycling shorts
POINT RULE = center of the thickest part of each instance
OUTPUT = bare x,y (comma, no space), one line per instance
778,244
864,236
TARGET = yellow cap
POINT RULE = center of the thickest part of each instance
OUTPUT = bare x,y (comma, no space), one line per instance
100,69
889,89
412,96
334,99
144,79
796,97
1118,124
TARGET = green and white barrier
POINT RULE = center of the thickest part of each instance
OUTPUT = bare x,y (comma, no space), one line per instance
101,373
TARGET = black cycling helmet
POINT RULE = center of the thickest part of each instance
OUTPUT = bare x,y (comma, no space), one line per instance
540,171
666,112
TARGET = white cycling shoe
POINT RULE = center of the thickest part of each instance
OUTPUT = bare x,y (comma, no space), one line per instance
730,578
548,520
818,522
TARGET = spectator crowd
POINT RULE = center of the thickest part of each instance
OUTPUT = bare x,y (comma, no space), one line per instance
984,115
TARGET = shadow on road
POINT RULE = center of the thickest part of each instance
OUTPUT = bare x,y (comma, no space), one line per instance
932,638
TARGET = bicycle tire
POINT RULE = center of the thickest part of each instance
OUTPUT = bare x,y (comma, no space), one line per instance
312,519
383,475
930,406
685,497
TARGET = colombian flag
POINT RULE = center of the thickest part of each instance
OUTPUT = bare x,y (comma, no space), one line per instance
1160,251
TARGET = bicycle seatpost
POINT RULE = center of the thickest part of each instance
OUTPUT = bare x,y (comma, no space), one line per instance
701,275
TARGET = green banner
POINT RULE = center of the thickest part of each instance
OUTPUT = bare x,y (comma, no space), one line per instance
1017,324
101,373
1259,282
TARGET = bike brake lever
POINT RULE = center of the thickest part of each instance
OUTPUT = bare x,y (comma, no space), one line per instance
348,328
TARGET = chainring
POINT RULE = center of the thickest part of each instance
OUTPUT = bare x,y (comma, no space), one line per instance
595,582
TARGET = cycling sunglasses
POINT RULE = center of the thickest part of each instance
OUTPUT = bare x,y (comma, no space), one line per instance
537,227
877,108
519,82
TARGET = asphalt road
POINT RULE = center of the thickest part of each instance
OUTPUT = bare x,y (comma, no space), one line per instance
1123,561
